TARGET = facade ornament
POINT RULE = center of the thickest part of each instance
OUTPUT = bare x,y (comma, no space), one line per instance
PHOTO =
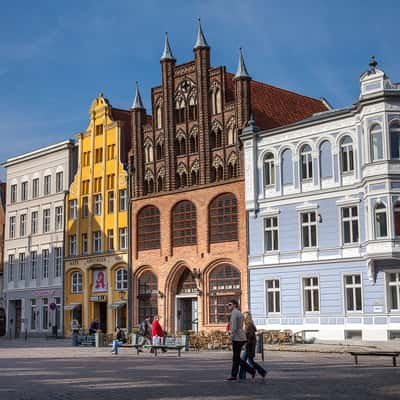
181,168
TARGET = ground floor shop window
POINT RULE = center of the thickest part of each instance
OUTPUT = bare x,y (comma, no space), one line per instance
45,314
224,287
34,314
77,315
147,295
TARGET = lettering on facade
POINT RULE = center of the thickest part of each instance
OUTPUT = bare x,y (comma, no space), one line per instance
98,298
45,293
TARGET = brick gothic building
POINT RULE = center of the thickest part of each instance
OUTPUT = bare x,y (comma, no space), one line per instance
189,251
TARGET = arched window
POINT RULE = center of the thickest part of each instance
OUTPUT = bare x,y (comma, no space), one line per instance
215,138
287,167
306,162
76,282
194,143
160,150
325,159
148,186
187,283
148,228
216,101
346,154
224,287
147,295
148,152
231,136
181,176
160,183
394,133
195,176
223,218
269,169
232,170
159,117
192,109
179,111
376,143
121,279
396,215
180,145
184,224
380,221
217,172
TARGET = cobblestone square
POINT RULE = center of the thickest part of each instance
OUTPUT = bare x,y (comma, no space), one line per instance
56,371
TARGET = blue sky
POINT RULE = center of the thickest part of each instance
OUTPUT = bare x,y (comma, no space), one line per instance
56,56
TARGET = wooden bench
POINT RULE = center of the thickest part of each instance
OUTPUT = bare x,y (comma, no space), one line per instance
164,347
138,347
391,354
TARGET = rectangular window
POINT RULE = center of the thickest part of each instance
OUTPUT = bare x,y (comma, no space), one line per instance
86,158
47,185
58,261
99,130
123,238
35,188
46,220
110,202
73,209
273,296
45,264
21,264
97,185
308,229
123,200
111,152
22,225
353,292
110,235
33,265
97,204
98,155
59,182
84,244
271,234
12,227
350,224
85,207
394,291
110,181
45,314
34,315
24,191
72,245
34,222
13,194
11,263
85,187
59,218
311,294
97,242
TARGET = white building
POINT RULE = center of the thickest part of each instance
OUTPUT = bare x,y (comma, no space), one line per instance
34,238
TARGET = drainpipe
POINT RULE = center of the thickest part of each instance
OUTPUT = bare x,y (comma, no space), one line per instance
66,192
130,274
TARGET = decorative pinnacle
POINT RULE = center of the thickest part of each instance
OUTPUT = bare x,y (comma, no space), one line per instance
167,53
137,102
373,63
241,69
201,39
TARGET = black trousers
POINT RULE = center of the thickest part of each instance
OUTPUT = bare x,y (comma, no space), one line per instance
237,361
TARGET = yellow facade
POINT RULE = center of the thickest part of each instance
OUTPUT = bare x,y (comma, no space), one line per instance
96,237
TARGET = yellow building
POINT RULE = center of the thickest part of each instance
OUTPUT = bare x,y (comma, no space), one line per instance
96,240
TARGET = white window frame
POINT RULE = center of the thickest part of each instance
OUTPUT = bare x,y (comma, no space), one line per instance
110,235
309,225
72,245
34,222
10,267
350,220
21,266
307,160
34,264
353,286
24,191
76,282
12,227
97,206
46,220
97,242
269,170
34,315
13,194
375,130
123,200
121,279
45,263
47,185
395,284
123,238
110,202
59,218
381,210
311,288
59,182
345,150
73,209
85,207
23,225
273,290
35,188
58,261
272,229
85,243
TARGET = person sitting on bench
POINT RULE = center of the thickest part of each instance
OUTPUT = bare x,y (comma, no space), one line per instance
118,340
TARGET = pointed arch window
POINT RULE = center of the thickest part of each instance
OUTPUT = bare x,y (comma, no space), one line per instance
181,176
269,169
148,228
223,218
217,171
194,142
376,143
347,154
233,166
148,152
180,145
184,232
215,138
192,109
306,162
394,133
231,136
216,105
147,295
160,153
159,116
195,177
161,180
325,159
179,111
380,221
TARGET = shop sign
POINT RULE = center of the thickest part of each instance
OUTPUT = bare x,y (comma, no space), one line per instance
98,298
99,280
45,293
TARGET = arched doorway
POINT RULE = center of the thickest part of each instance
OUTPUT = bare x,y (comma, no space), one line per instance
186,302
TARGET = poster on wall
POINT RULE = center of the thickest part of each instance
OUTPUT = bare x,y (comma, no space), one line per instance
99,280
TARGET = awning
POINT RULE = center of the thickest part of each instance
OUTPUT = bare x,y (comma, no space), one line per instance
72,306
117,304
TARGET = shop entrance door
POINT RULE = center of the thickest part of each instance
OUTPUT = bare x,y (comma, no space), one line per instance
102,313
17,318
186,313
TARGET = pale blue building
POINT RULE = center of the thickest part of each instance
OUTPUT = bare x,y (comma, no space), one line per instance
323,203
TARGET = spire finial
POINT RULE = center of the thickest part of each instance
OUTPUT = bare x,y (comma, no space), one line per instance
137,102
241,69
201,39
373,63
167,53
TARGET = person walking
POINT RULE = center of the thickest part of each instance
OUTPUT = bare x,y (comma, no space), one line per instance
145,330
157,333
249,352
118,340
238,338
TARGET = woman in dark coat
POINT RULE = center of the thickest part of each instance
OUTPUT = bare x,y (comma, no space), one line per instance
249,352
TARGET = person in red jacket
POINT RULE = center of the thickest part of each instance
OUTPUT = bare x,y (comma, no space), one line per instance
157,332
